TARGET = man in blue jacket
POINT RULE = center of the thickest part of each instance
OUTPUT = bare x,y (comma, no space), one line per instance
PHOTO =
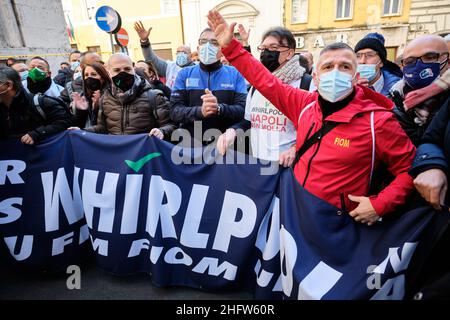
208,94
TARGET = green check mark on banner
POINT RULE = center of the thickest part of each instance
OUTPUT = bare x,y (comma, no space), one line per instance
137,165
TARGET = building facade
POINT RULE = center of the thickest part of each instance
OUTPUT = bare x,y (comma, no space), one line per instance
162,15
258,15
317,23
33,28
429,17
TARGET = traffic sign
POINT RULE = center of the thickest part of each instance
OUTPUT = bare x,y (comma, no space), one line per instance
108,19
122,37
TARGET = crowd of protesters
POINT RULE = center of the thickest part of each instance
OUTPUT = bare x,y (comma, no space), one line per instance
337,121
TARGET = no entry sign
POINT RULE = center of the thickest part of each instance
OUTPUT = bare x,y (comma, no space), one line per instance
122,37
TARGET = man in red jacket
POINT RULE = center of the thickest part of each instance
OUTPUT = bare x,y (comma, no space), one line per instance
338,168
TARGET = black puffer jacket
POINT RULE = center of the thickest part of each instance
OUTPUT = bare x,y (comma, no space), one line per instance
434,150
414,130
22,117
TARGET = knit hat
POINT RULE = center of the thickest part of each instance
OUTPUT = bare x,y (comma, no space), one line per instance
374,41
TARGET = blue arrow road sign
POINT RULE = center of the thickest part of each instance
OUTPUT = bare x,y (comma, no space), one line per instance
108,19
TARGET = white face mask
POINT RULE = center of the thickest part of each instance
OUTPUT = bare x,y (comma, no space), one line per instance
208,54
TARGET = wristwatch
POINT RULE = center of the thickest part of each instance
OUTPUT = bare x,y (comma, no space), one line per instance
219,109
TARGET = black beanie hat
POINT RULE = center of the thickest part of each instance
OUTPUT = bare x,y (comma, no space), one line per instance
374,41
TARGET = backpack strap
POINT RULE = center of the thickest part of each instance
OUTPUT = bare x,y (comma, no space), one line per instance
37,101
151,95
69,89
306,82
316,137
252,91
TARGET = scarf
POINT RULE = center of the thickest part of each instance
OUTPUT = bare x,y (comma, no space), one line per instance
416,97
290,71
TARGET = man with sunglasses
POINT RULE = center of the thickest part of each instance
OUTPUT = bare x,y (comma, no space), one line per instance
209,95
375,71
424,60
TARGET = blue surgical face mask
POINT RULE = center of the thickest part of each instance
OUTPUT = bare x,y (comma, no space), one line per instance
23,75
420,75
182,59
335,85
208,54
74,65
367,71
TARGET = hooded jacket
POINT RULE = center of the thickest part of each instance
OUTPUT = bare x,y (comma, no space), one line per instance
343,161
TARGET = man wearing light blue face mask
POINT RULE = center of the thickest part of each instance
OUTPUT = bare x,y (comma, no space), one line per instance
344,131
65,74
210,93
375,71
165,68
21,68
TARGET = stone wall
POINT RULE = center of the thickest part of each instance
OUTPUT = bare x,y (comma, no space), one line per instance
30,28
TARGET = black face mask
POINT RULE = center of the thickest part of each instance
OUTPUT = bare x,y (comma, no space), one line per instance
93,84
270,59
124,81
39,86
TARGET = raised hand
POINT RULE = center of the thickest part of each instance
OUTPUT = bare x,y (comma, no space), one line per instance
244,34
96,99
141,31
79,101
224,32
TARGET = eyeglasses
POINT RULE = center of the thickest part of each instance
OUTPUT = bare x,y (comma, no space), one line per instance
272,47
368,55
214,42
428,57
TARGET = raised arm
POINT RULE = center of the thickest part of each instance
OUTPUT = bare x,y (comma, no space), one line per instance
287,99
147,51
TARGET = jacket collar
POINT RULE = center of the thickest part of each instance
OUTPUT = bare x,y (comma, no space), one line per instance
211,67
365,100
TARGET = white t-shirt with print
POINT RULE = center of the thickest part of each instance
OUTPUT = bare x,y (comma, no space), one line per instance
272,132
